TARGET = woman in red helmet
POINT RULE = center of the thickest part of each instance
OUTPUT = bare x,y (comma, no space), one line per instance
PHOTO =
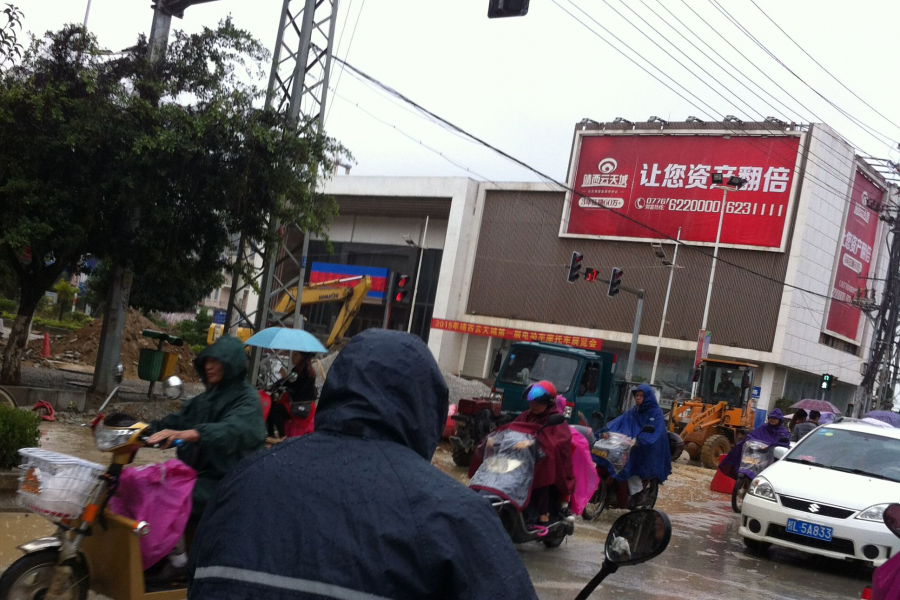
554,472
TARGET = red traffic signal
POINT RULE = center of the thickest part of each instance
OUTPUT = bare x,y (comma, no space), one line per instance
401,287
590,274
615,280
575,267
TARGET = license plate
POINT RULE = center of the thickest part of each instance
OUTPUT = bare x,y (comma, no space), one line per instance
811,530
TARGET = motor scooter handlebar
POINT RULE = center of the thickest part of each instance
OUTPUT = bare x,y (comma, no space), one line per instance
175,443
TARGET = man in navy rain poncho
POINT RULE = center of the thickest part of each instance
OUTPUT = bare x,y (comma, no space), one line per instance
650,457
355,510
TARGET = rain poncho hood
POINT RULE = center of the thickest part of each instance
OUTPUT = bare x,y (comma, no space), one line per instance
768,434
355,507
650,457
228,417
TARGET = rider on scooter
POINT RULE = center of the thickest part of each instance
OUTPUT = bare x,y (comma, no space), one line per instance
773,431
650,458
555,469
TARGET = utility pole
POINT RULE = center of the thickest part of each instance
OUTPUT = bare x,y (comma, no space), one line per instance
298,85
412,306
122,277
639,310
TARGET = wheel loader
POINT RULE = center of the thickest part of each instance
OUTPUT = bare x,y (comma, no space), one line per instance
720,415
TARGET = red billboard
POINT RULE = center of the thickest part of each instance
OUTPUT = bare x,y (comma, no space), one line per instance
632,186
858,249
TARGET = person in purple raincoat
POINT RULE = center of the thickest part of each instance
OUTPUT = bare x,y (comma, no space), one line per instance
770,432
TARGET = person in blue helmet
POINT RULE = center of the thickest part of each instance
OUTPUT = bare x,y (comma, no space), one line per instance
650,457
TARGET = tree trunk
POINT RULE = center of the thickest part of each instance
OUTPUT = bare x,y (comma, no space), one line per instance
11,372
62,308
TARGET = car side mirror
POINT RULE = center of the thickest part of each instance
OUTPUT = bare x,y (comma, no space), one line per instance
648,429
173,387
892,518
637,537
780,452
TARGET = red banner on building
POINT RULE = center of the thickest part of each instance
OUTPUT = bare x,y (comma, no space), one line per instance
624,182
855,259
518,335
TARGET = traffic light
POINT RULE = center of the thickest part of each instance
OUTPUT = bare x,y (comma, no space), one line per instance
827,381
590,274
401,287
507,8
615,280
575,266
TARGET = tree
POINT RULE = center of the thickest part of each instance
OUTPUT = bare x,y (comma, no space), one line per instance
10,48
65,293
89,142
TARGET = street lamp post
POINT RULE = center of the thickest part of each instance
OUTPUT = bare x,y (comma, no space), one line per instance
421,246
662,323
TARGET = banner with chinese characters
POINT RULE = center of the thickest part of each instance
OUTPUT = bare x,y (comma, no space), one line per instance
518,335
639,186
858,249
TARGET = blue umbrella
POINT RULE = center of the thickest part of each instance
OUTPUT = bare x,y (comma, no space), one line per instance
282,338
886,416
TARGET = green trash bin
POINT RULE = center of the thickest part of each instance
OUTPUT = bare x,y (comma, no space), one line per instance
150,364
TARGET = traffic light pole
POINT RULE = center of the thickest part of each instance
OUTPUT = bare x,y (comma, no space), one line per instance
632,351
389,300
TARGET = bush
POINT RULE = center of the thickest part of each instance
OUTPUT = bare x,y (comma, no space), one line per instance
156,321
79,317
197,349
8,306
73,325
18,429
194,333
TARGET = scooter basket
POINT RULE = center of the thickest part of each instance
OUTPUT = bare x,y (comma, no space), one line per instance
615,448
55,485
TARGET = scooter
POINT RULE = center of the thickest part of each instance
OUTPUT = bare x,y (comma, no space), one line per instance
505,477
611,454
93,549
634,538
886,578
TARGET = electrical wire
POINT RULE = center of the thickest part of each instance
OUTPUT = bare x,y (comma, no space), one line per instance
361,74
349,47
876,111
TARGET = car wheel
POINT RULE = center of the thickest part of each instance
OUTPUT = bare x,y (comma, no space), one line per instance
756,547
713,448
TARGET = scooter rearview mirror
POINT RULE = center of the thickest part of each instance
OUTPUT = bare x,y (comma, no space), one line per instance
292,378
554,420
892,518
637,537
648,429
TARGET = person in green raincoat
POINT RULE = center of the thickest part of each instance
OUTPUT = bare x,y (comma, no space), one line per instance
219,427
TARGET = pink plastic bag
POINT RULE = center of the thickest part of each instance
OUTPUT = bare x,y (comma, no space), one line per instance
586,478
159,494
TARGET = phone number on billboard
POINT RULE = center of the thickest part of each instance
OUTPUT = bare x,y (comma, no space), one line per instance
712,206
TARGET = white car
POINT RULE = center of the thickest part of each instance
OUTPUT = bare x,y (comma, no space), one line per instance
827,495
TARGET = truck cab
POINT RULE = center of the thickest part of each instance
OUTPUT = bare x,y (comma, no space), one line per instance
585,378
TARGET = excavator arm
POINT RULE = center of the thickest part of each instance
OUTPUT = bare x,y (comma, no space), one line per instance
327,291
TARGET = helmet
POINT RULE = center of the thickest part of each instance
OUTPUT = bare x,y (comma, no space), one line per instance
542,391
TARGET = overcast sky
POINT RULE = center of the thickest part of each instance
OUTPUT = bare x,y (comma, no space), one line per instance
523,83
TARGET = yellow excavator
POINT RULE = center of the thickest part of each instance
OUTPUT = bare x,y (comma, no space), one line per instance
720,415
335,290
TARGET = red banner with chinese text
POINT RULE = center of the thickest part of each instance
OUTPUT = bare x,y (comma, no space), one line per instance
624,182
855,260
518,335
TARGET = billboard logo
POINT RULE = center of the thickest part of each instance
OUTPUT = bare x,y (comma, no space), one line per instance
607,165
852,264
605,178
601,203
860,210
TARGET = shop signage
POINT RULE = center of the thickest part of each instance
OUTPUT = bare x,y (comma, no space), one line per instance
858,249
639,187
518,335
322,272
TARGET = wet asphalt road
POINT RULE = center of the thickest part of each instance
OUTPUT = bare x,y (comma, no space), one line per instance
705,560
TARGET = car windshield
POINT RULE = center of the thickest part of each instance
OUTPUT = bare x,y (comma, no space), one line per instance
527,365
851,451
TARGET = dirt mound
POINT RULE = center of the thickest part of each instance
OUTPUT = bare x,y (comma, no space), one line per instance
81,346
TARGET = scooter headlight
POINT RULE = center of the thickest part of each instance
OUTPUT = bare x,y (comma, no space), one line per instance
109,438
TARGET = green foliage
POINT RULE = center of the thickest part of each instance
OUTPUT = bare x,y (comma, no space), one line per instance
18,429
8,306
71,325
784,404
10,47
160,324
195,332
197,348
90,141
79,317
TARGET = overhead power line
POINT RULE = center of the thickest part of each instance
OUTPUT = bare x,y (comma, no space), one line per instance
821,66
372,80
